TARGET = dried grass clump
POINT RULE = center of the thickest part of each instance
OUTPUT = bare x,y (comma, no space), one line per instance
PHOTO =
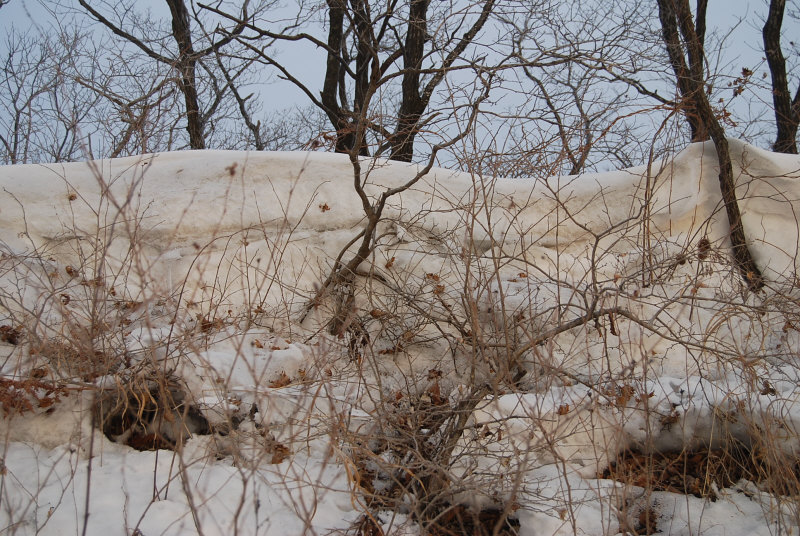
77,361
703,472
148,414
23,396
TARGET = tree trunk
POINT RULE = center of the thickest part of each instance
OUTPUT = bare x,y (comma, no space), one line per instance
186,64
700,22
331,83
416,98
366,54
412,105
669,28
787,111
338,115
676,14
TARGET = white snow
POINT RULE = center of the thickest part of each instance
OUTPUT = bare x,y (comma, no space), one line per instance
201,264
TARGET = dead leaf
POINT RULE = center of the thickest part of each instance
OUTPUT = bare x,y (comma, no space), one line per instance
624,395
10,334
282,381
435,393
703,247
279,453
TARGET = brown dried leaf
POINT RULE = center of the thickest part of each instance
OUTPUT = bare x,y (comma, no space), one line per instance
624,395
703,247
279,453
10,334
435,392
282,381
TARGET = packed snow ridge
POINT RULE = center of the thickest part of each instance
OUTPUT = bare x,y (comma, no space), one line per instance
589,314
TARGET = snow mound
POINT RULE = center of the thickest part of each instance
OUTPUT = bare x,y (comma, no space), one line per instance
520,333
210,215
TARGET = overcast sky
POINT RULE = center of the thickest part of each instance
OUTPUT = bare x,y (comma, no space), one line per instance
740,20
743,48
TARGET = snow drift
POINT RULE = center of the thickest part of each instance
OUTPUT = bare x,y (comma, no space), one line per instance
602,310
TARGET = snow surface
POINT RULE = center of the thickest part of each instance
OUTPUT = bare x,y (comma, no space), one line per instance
203,263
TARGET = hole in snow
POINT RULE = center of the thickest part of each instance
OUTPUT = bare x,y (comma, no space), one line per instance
148,415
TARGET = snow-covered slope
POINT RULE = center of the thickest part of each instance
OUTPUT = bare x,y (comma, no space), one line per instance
172,203
586,314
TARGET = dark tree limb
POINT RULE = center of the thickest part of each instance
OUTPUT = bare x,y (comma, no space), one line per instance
186,65
787,110
676,15
411,105
339,116
415,98
684,73
185,61
116,30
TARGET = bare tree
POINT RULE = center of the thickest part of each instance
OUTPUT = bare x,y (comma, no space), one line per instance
69,94
41,112
369,46
688,75
575,78
139,111
184,59
787,109
26,79
416,96
581,78
685,50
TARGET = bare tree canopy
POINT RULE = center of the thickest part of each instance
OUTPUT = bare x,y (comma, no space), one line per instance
369,47
574,87
184,58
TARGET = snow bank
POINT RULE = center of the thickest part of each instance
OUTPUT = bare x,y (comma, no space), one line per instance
611,296
228,221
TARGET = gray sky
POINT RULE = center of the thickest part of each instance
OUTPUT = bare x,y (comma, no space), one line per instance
741,19
743,47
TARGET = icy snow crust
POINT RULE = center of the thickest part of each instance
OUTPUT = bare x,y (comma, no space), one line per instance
205,262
